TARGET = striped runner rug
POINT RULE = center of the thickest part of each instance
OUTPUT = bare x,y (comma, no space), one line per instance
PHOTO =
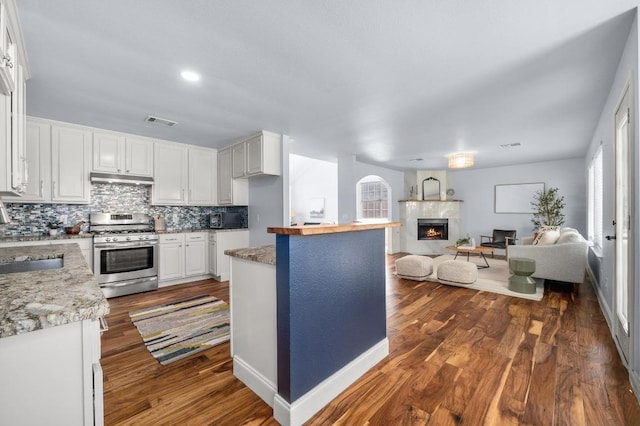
178,329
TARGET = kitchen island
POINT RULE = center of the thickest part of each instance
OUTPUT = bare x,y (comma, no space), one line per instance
328,302
50,339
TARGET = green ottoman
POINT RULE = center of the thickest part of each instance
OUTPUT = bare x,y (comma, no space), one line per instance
521,281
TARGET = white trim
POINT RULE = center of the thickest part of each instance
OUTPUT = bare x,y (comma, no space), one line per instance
255,381
303,408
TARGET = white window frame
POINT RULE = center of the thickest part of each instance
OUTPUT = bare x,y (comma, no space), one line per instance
383,183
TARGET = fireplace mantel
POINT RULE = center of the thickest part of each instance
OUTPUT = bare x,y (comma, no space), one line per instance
412,210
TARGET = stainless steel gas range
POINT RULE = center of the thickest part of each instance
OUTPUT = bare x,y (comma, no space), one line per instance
125,253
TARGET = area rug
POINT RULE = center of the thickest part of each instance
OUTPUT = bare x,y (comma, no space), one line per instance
182,328
494,279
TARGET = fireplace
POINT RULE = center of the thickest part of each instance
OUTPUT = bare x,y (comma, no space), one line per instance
433,229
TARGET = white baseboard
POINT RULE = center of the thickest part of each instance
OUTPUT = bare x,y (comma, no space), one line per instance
254,380
313,401
167,283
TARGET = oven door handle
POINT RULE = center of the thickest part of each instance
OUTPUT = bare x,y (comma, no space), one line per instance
125,245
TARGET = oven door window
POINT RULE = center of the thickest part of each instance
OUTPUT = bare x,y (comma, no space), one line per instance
114,261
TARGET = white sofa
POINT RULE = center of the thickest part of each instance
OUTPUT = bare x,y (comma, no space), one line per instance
566,260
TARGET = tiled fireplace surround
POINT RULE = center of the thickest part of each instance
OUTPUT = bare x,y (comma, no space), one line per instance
32,219
412,210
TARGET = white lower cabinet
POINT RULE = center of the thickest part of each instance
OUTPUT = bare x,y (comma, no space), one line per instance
219,241
182,256
54,375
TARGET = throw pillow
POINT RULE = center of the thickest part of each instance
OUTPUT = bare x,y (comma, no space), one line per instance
547,237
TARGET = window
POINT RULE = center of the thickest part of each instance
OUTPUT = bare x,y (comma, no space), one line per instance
595,199
373,198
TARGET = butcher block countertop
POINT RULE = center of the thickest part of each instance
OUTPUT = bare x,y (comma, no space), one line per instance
35,300
330,229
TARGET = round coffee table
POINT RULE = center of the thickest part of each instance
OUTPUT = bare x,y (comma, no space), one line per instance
479,250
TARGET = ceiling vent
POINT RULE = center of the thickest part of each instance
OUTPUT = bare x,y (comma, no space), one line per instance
158,120
510,145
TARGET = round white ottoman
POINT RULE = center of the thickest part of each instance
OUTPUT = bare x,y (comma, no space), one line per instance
414,267
457,272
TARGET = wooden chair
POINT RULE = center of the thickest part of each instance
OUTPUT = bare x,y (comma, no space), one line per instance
500,239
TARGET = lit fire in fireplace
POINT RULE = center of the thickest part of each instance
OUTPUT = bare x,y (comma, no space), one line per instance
434,234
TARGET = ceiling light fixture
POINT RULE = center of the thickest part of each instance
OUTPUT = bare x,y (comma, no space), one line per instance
460,160
190,76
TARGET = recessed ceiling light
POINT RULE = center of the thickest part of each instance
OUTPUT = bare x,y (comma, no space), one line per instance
190,76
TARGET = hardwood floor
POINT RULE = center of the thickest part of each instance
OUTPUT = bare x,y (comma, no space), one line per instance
457,356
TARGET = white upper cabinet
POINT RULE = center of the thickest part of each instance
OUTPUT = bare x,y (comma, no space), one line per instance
8,62
258,155
118,154
202,176
263,154
238,160
230,191
38,150
70,164
138,157
170,164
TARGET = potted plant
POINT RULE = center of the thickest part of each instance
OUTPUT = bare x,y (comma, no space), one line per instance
548,208
53,228
466,242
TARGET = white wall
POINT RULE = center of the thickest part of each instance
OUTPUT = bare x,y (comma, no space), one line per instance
604,133
311,179
476,188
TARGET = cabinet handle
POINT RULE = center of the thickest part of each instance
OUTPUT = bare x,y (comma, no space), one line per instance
180,245
103,324
128,171
190,194
118,170
41,187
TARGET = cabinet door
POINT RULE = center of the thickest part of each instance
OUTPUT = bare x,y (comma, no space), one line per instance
171,264
8,60
38,146
195,258
212,258
70,164
227,241
139,157
254,155
108,152
170,175
238,155
202,177
224,177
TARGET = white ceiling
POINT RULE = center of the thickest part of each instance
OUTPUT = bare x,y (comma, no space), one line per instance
386,80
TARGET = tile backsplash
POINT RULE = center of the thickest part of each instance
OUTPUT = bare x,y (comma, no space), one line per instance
32,219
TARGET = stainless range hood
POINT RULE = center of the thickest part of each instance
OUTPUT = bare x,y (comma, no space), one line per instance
121,179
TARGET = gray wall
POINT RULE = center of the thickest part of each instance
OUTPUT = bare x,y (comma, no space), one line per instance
476,188
604,133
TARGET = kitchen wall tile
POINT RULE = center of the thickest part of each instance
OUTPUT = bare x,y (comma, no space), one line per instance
32,219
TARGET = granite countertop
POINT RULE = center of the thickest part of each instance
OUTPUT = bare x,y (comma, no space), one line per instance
35,300
264,254
23,238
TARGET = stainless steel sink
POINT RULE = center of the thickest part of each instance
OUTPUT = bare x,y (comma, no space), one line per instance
31,265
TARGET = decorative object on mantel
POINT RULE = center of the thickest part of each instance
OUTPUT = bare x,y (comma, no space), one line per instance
450,193
548,208
431,189
461,160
